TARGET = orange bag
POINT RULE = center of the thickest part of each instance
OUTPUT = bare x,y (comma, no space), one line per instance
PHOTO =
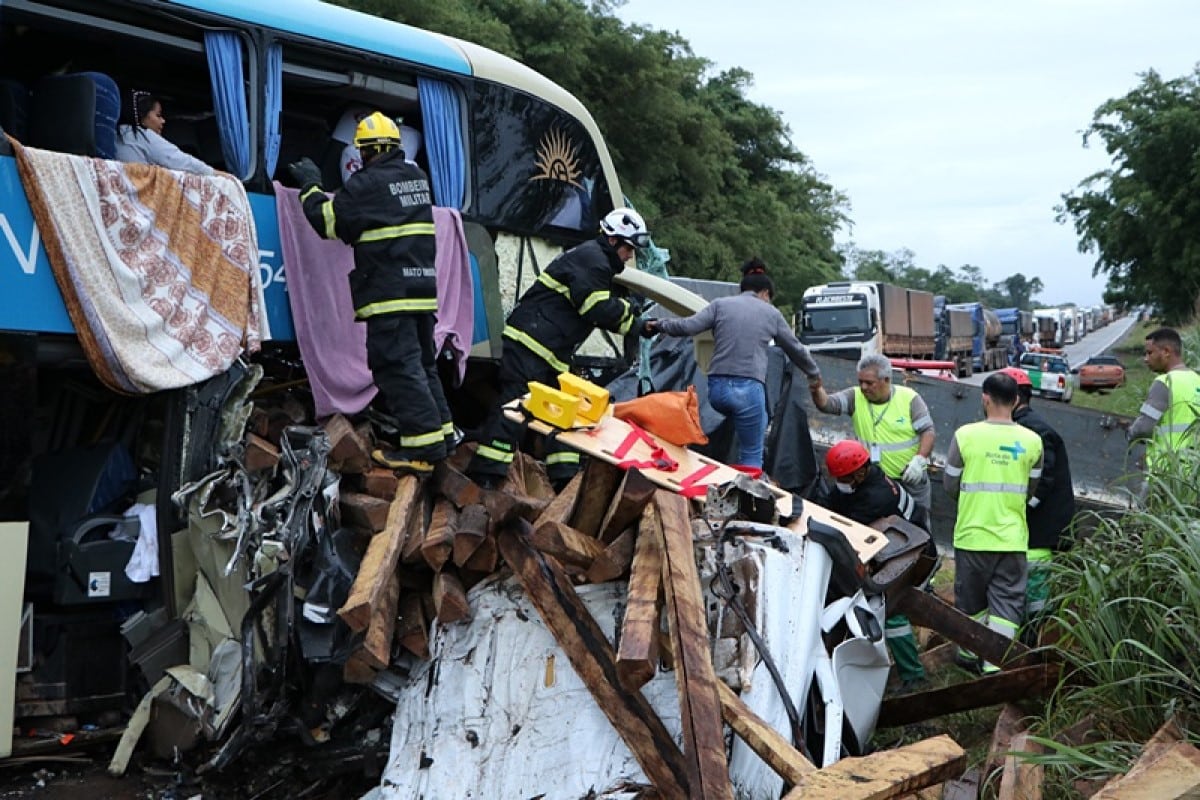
672,416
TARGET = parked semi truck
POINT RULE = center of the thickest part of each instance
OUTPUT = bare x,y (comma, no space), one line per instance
953,336
989,346
850,319
1015,322
1047,321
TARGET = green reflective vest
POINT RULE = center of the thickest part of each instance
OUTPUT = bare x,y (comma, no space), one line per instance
997,461
887,429
1173,429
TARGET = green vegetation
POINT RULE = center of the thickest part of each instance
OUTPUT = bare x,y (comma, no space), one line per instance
1128,399
1140,215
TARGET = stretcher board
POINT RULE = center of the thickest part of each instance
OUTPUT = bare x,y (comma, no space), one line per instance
603,440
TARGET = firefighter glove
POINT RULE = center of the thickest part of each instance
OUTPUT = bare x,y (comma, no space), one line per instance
647,327
305,172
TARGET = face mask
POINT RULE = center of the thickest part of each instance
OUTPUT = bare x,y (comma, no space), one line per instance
845,488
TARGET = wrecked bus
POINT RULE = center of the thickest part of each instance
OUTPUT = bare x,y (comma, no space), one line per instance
247,88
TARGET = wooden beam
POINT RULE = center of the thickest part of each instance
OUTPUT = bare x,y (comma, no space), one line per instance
379,563
449,598
563,505
377,644
438,544
885,774
412,631
990,690
637,657
634,493
600,482
766,742
532,473
929,611
1166,771
364,511
417,530
590,653
456,487
566,544
1021,778
615,560
486,557
470,533
695,679
1008,725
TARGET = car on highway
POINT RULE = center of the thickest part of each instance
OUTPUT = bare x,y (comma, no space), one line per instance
1103,371
1050,374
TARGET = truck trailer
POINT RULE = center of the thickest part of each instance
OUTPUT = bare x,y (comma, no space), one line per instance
989,346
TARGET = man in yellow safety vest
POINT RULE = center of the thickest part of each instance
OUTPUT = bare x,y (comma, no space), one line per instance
992,468
1167,420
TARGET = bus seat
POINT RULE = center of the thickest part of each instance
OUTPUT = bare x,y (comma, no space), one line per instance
108,108
76,497
14,108
75,113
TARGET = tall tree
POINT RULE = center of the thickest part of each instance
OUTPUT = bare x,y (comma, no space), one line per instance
716,175
1141,216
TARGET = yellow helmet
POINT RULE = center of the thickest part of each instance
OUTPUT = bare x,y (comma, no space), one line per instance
376,130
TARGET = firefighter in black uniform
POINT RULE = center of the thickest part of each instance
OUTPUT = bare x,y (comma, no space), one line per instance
864,494
1050,510
572,297
385,211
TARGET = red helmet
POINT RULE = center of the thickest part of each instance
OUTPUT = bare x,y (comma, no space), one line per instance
845,457
1018,375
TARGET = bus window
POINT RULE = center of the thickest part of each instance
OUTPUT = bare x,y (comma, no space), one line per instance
537,170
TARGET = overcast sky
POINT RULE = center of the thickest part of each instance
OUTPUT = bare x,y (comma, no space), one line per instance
952,126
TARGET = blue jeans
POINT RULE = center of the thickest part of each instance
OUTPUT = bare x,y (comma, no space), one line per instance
745,400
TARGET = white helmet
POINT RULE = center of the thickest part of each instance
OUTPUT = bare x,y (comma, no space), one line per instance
626,224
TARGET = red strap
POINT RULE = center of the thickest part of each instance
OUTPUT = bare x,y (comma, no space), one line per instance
658,456
690,486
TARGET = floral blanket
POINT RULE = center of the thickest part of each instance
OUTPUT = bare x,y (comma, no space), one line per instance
158,268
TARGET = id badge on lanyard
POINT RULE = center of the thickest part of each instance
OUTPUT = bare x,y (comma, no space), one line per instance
876,454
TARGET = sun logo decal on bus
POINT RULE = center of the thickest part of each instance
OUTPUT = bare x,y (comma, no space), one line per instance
557,159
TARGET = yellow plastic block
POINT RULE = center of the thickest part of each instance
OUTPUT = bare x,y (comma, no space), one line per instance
551,406
593,399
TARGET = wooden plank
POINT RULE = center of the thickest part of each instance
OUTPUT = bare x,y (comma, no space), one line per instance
766,742
633,495
417,530
486,557
380,482
615,560
1167,771
938,656
930,611
534,480
456,487
566,544
695,679
637,657
602,441
964,788
1008,725
600,482
438,544
379,563
364,511
470,533
412,630
449,598
1021,779
590,653
885,774
999,687
562,507
377,644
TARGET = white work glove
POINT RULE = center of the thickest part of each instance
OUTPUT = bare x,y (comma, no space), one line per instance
915,471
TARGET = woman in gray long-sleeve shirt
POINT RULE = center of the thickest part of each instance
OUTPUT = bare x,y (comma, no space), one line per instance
743,326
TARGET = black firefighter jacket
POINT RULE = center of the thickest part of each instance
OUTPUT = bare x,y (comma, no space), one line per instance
878,496
384,211
572,297
1055,494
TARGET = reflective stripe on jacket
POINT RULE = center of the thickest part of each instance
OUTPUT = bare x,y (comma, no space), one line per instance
997,462
887,428
385,212
1174,428
573,296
